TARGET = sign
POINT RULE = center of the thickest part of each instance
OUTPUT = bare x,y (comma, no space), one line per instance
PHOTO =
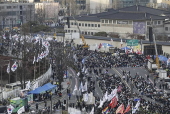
132,42
122,22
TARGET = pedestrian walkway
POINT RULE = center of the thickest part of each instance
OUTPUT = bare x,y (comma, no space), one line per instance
55,98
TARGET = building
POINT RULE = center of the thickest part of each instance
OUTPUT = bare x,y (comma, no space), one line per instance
133,20
47,11
15,14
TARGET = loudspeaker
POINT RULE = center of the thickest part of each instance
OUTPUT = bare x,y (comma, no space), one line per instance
150,34
68,22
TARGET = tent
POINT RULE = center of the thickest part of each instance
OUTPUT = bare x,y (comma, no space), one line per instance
123,48
106,44
43,89
162,58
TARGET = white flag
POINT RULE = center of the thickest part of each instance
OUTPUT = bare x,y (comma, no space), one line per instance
136,107
75,89
28,85
113,94
85,87
92,111
34,60
8,69
21,110
14,67
10,109
101,103
85,97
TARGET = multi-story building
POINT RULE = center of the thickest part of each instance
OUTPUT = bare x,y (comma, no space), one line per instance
47,11
130,20
15,14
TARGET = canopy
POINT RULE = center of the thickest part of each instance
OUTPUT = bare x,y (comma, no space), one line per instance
43,89
106,44
123,48
162,58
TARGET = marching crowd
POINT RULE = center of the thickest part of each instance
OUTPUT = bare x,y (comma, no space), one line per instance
142,97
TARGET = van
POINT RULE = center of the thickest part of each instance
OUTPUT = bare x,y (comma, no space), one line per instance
12,86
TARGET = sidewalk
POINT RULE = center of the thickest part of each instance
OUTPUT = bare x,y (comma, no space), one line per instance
55,98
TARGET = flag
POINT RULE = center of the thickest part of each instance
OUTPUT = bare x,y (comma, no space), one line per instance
92,111
105,97
8,69
120,109
85,97
14,67
35,85
105,110
113,102
4,37
127,108
111,40
10,109
34,60
100,45
84,87
136,107
81,86
75,89
121,43
113,94
101,103
28,85
21,110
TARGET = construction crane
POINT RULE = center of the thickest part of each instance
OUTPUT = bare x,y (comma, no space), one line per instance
81,36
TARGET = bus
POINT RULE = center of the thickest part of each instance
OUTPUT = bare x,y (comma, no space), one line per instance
12,86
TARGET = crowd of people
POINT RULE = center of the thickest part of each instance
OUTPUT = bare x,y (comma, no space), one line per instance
99,64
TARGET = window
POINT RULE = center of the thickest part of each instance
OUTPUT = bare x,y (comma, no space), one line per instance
148,23
71,31
74,30
91,33
95,25
155,22
166,28
98,25
68,31
106,21
88,33
71,23
14,7
82,32
85,25
114,21
75,23
79,24
159,22
102,21
92,25
8,7
88,25
110,21
85,33
20,7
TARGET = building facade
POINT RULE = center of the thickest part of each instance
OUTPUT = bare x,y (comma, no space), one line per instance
134,20
15,14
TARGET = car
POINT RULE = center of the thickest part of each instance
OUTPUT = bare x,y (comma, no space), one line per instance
3,109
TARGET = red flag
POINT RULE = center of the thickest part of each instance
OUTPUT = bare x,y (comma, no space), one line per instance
120,109
113,102
100,45
127,108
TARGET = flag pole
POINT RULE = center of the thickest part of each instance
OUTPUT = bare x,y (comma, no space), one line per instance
9,74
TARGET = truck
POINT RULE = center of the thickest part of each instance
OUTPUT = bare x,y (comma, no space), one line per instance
19,103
